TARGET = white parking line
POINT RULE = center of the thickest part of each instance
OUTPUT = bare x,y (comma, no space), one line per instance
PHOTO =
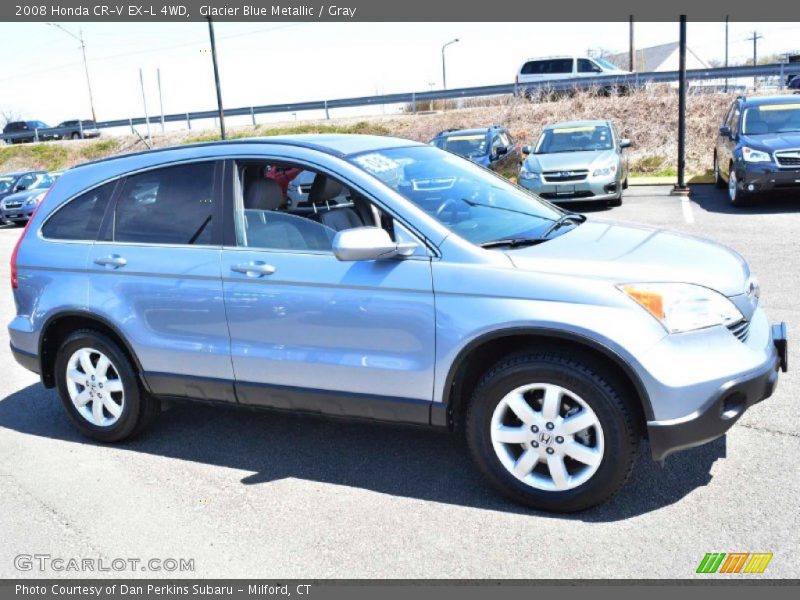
686,208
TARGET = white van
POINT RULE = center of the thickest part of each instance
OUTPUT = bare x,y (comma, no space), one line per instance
554,68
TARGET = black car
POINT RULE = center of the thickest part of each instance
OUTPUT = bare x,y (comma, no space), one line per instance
27,131
76,130
758,148
794,84
491,147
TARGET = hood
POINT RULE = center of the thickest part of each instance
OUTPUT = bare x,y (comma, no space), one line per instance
23,195
634,254
774,141
570,161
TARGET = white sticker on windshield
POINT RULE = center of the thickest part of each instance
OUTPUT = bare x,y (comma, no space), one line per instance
377,163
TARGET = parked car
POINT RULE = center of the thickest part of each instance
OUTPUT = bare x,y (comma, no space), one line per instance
758,149
559,68
27,131
19,181
794,84
491,147
76,130
18,207
577,161
553,341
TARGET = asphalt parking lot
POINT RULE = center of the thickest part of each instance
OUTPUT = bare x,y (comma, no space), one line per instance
249,494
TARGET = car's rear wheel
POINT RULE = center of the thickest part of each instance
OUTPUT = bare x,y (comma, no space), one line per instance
76,136
99,388
718,180
552,431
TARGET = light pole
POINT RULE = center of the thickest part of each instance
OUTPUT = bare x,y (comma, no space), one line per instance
216,78
444,69
79,37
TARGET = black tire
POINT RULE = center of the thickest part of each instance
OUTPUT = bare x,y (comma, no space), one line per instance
76,136
719,182
598,388
139,408
739,198
625,184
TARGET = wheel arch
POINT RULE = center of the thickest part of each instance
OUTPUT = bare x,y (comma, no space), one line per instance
60,325
479,354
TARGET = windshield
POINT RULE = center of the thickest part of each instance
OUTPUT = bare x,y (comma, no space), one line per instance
605,63
5,184
467,144
44,181
473,202
771,118
580,138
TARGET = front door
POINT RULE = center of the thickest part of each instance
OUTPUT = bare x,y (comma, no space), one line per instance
309,332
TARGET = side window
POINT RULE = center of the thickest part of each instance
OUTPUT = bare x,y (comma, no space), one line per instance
734,122
289,207
81,217
25,181
562,65
174,205
587,66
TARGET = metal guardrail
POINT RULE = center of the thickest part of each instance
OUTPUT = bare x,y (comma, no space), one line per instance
633,80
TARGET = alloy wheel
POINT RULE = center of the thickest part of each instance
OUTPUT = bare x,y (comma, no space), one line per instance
547,437
733,186
95,387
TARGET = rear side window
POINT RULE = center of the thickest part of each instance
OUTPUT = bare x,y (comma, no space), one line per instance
548,67
174,205
81,217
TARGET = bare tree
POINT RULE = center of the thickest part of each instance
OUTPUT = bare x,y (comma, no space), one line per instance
9,114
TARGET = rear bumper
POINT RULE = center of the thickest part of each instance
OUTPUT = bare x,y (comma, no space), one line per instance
27,360
724,408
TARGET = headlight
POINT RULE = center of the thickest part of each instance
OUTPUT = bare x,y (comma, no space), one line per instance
683,306
528,175
35,200
603,171
751,155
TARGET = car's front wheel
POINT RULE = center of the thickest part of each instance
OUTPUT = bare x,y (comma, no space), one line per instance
737,196
552,431
99,388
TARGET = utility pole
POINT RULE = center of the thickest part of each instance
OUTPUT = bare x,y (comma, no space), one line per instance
144,102
755,37
160,100
680,188
727,23
216,78
631,47
79,37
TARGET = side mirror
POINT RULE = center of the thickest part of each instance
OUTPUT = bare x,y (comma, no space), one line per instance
725,130
624,143
369,243
526,149
21,188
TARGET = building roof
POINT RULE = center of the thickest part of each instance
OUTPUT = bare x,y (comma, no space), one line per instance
651,58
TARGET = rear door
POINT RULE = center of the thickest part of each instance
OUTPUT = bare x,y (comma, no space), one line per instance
155,274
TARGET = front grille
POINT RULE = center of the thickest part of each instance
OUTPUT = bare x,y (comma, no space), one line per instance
788,159
13,204
560,176
740,330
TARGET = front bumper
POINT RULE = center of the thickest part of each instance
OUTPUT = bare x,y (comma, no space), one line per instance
725,407
17,215
586,190
755,178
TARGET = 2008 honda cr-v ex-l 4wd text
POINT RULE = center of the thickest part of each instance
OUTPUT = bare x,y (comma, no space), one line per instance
411,286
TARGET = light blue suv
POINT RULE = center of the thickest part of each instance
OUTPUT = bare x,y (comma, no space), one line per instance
410,286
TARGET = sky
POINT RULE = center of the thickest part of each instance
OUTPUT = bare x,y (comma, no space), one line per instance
42,76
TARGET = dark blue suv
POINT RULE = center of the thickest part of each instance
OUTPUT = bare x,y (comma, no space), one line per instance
491,147
758,148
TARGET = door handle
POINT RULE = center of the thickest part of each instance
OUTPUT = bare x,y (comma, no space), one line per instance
115,261
254,269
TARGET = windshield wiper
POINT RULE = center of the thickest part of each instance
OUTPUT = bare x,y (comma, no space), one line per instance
563,220
513,242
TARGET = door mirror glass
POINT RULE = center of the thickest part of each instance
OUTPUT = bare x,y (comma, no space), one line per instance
500,151
526,149
725,130
624,143
369,243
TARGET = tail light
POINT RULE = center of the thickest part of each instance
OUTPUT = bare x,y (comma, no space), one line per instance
14,277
